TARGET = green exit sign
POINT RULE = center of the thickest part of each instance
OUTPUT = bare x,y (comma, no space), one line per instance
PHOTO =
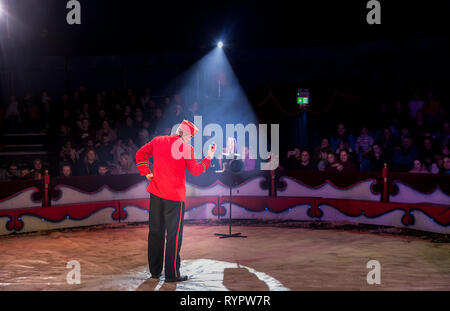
302,100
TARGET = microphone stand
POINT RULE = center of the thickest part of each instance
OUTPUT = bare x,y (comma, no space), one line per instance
229,235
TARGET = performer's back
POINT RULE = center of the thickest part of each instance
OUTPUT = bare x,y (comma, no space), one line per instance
171,157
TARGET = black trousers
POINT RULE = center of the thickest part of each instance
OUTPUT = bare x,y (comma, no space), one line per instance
165,215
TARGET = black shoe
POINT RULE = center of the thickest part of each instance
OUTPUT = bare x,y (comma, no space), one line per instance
178,279
156,276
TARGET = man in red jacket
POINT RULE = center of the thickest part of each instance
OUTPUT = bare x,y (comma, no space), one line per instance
172,155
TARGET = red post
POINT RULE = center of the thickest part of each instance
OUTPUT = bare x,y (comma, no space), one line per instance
384,173
272,188
46,183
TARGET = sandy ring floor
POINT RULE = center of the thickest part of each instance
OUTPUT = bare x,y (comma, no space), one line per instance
115,258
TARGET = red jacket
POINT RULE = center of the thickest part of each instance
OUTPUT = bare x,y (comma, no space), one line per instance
169,168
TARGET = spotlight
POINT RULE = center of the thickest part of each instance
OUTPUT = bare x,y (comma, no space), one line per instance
220,44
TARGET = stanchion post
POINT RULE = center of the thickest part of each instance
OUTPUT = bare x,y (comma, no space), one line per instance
272,183
46,184
385,172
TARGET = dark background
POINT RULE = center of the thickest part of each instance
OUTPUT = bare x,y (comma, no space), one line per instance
323,45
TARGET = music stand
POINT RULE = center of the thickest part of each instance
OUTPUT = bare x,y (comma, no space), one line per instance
230,171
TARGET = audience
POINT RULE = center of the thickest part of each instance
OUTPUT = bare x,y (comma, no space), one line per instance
333,164
305,163
88,166
126,165
342,135
346,164
445,166
419,167
99,135
294,159
403,159
66,170
323,160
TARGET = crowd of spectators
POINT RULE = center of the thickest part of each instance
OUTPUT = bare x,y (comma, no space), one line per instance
409,138
100,134
93,135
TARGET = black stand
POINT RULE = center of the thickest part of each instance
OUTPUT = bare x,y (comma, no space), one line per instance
230,235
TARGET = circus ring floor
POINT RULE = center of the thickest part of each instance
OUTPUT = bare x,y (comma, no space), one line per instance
274,256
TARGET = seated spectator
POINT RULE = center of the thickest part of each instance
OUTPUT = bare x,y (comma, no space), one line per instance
143,137
388,142
305,163
346,163
377,158
12,173
445,165
341,134
128,130
81,153
36,175
294,159
344,145
131,147
85,114
88,166
323,163
104,150
106,129
66,170
63,134
404,132
37,167
419,167
363,144
103,169
25,173
403,159
85,132
428,152
67,153
118,148
126,165
324,144
157,122
333,164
